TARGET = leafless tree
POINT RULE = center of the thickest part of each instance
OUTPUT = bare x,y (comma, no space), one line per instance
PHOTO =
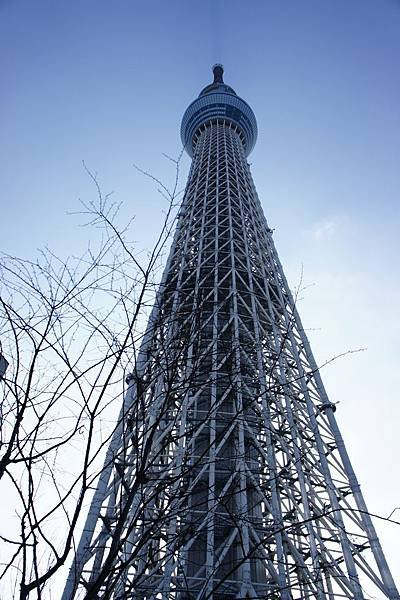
70,329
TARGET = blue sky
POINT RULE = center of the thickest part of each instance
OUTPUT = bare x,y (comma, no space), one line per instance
108,83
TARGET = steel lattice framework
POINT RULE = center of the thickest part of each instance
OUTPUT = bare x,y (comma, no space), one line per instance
227,476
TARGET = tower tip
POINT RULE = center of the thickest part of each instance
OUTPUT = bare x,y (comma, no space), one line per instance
218,71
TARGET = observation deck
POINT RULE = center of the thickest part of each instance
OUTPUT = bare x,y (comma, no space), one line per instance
218,101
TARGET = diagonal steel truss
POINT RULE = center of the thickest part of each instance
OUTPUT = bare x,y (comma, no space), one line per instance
227,476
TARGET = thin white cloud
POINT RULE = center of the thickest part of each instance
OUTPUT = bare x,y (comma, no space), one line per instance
323,229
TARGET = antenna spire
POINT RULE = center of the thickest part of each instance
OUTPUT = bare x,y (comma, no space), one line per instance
218,71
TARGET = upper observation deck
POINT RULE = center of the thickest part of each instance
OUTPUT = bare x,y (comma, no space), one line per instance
215,102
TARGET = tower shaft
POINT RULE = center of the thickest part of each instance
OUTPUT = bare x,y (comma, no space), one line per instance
227,476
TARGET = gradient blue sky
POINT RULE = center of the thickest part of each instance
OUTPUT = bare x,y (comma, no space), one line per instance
108,82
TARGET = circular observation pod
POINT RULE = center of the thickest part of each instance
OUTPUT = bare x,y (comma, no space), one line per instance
219,101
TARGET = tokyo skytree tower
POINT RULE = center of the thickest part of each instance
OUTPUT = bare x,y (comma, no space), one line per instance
227,476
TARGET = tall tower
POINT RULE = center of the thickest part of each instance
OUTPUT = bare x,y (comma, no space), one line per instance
227,476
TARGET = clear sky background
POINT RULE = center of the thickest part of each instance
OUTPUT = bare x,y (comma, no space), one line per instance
108,82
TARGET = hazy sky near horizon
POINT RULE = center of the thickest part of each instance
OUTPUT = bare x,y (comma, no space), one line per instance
107,83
